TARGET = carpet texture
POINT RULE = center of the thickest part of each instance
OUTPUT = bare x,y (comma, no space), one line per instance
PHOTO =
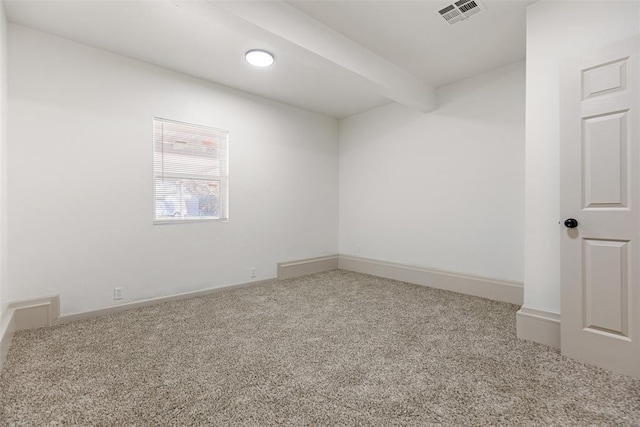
332,348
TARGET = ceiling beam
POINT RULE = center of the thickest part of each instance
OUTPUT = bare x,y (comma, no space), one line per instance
282,23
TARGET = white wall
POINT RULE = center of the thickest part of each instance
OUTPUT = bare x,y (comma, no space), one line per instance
442,190
556,30
3,159
80,183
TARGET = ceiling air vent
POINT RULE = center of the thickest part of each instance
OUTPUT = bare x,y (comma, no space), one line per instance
460,10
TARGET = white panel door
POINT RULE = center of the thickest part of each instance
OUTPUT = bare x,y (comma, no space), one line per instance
600,190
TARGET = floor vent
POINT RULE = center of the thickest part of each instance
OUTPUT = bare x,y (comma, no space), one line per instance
460,10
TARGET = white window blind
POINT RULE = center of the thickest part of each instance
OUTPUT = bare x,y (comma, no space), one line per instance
190,168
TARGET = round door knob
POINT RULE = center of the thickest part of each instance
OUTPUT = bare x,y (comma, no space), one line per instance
571,223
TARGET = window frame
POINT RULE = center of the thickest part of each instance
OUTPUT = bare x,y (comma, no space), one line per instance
223,180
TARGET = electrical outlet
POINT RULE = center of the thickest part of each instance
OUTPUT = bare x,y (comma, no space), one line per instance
117,293
253,272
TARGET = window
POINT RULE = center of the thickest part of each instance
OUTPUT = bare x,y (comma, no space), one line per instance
190,171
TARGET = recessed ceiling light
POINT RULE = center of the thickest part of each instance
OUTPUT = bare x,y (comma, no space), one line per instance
259,58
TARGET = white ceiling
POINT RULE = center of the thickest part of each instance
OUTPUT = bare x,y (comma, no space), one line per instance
413,36
338,57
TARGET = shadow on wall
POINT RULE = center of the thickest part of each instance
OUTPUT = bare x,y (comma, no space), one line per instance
454,99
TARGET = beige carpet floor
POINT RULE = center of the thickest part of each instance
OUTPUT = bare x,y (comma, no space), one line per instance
335,348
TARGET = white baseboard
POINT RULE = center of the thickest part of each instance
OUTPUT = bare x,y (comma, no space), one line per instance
26,314
36,312
287,270
7,329
153,301
539,326
498,290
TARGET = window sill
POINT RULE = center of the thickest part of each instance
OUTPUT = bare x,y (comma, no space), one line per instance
187,221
